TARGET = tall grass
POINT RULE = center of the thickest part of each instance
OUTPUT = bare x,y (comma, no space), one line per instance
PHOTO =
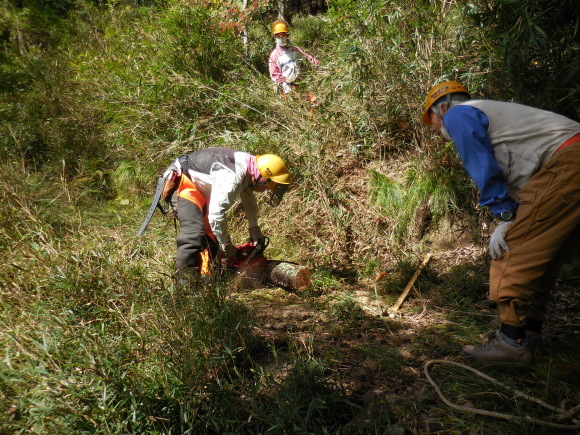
92,341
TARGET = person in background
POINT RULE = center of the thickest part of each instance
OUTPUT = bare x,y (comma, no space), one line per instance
203,185
526,165
285,59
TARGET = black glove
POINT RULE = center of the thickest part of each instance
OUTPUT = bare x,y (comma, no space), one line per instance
229,250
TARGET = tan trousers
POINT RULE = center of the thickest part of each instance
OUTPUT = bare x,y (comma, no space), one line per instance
545,233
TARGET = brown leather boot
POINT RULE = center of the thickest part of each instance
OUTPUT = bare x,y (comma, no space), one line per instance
497,350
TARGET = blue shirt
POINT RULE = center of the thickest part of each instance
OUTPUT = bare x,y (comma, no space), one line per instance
468,126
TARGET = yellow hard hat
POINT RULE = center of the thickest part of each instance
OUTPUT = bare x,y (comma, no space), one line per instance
439,91
279,26
274,170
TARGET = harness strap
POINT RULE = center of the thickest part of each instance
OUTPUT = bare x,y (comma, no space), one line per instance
183,163
286,63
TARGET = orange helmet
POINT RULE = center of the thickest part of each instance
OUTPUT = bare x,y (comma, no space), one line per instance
439,91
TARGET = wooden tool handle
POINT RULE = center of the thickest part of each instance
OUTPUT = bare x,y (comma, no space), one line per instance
410,284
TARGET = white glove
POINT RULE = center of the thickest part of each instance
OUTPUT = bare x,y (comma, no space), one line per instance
286,87
229,250
255,233
497,244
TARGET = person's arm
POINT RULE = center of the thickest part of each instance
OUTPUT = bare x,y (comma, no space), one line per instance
311,58
225,188
275,72
467,126
250,206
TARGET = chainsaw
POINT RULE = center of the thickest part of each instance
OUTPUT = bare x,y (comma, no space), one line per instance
252,268
249,256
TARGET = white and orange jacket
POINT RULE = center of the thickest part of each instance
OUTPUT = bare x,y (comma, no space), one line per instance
222,175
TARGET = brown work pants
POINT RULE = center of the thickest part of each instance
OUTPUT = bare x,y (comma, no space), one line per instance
545,233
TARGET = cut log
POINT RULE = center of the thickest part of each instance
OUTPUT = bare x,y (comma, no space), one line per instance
289,276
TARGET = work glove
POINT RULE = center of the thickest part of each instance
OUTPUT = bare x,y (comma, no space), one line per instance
286,87
229,250
497,244
255,234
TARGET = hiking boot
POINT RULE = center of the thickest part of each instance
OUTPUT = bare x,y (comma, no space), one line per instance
497,349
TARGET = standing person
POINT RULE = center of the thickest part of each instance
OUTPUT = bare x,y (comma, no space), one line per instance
526,164
203,185
284,61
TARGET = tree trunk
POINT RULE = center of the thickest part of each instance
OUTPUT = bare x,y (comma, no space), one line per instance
245,29
282,10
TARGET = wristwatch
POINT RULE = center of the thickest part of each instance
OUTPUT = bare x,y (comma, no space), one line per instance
507,215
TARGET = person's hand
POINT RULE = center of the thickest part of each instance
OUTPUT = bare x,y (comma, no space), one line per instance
229,250
255,233
497,243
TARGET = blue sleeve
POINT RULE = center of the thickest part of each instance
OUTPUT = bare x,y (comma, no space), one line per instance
468,126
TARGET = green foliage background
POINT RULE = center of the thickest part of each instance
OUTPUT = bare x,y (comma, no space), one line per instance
97,97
